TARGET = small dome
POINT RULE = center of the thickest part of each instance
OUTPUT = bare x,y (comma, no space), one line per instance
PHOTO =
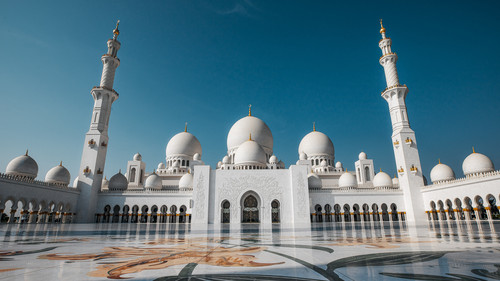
153,181
75,182
323,163
137,157
225,160
442,172
316,144
314,181
395,181
58,175
105,183
183,144
362,156
197,157
477,163
273,159
250,152
238,134
347,180
302,156
338,165
23,166
219,164
186,181
118,182
382,179
161,165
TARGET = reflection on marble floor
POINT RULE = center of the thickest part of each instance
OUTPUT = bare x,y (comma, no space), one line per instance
326,251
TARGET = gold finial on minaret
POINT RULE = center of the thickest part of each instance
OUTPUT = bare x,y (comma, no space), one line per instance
250,137
382,29
314,126
116,32
473,151
186,127
249,110
26,152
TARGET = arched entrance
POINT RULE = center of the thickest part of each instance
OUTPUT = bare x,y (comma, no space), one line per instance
226,212
250,209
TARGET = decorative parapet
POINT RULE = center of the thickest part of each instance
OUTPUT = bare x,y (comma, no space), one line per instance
386,55
392,87
464,179
353,190
165,189
32,181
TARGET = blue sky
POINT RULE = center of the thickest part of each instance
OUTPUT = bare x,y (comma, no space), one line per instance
203,62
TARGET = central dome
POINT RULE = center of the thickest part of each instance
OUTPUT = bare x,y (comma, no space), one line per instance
250,125
316,144
183,144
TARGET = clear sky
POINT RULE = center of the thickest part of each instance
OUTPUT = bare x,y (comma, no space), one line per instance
203,62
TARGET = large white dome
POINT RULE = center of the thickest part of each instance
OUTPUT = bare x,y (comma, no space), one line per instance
250,153
347,180
153,181
316,144
442,172
250,125
58,175
382,179
118,182
186,181
23,166
477,163
183,144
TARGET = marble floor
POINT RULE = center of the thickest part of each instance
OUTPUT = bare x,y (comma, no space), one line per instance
325,251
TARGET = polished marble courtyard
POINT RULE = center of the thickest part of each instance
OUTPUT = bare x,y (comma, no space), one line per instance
325,251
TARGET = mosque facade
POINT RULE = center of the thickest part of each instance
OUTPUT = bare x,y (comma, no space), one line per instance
250,184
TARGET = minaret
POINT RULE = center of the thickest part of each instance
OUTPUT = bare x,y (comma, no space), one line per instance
403,137
96,139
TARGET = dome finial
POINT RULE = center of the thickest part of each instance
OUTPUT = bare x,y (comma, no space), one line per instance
186,127
382,29
314,126
249,110
439,160
250,137
60,163
26,152
116,32
473,151
120,171
381,170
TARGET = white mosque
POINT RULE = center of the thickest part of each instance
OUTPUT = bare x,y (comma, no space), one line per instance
250,184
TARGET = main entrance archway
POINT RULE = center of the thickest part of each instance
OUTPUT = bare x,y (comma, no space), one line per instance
250,209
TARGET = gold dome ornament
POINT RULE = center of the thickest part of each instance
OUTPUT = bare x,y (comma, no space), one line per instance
382,29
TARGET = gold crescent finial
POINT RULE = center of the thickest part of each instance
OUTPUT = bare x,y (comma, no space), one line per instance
382,29
473,151
250,137
249,110
314,126
116,32
439,160
186,127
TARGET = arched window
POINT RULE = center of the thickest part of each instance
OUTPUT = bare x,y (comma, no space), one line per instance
394,211
385,214
495,214
367,173
328,213
275,211
142,175
183,163
319,214
226,212
132,175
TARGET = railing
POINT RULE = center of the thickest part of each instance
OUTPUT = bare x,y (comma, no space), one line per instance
28,180
356,190
150,190
464,179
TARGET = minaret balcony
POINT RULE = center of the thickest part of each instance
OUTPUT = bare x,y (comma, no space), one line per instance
409,141
413,170
396,144
86,171
401,171
91,143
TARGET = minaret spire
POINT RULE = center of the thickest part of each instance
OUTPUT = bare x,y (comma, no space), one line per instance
249,110
403,137
96,139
